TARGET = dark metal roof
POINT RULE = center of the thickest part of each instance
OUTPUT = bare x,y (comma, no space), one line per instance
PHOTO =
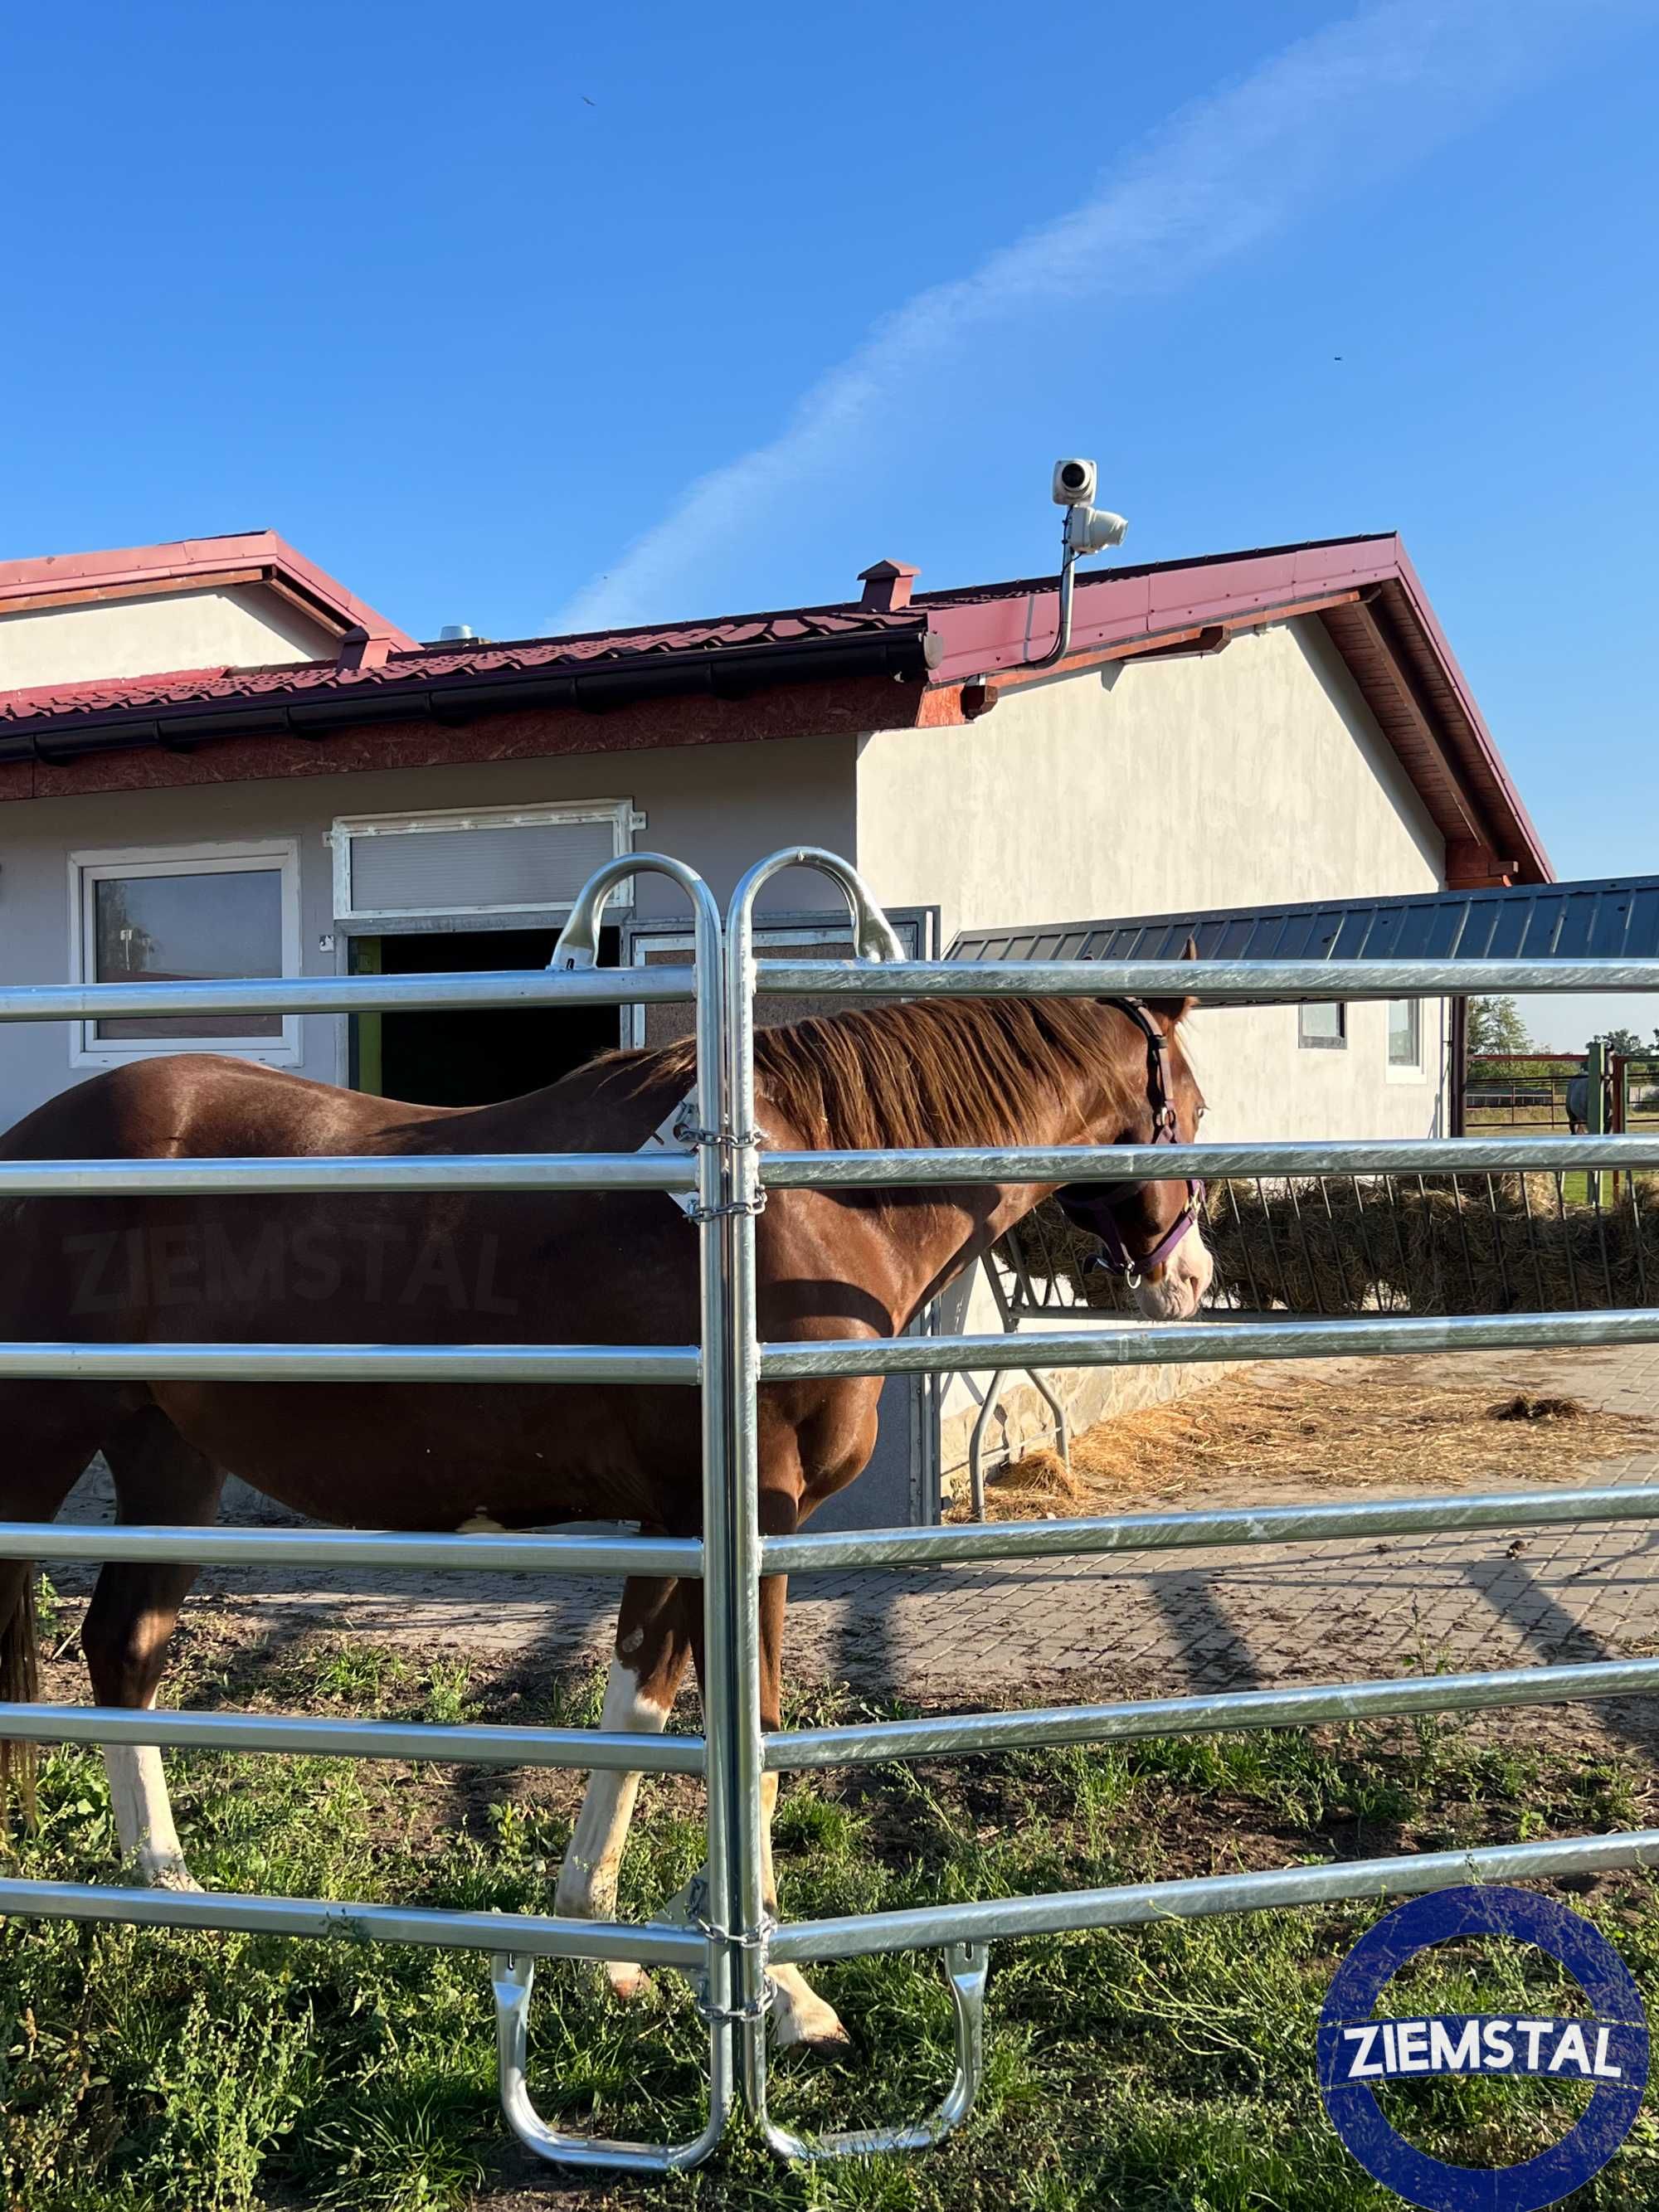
1617,918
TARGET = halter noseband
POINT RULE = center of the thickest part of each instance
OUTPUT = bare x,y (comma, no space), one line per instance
1086,1204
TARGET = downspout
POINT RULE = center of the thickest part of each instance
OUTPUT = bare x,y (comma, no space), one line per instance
1062,644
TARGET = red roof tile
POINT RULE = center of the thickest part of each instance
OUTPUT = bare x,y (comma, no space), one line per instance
429,664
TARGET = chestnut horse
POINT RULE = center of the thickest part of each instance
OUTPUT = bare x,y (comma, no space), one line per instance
613,1267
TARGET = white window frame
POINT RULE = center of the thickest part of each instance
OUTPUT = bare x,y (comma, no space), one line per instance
1405,1070
619,813
1313,1041
97,864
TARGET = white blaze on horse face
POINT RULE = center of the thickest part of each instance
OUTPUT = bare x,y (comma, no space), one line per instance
1175,1290
143,1815
587,1880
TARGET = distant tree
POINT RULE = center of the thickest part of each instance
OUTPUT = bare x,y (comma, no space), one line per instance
1496,1026
1621,1040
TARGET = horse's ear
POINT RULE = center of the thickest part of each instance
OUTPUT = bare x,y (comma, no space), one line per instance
1170,1013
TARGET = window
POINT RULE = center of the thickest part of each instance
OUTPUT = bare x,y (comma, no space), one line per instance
479,860
185,913
1324,1024
1405,1034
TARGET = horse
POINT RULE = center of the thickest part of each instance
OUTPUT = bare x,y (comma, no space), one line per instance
413,1269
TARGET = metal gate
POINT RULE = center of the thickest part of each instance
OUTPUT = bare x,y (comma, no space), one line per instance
724,1178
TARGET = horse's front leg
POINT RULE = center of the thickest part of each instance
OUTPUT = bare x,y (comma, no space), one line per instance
654,1648
801,2017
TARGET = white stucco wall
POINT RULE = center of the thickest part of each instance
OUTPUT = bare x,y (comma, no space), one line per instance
718,807
1253,775
237,626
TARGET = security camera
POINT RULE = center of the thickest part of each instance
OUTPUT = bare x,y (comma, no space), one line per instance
1092,529
1074,483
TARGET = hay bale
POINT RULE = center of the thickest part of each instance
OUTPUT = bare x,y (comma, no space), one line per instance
1342,1245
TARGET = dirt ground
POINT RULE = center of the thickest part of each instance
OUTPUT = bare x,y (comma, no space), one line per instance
1281,1432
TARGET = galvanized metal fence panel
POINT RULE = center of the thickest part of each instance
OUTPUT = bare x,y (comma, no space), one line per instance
574,980
728,1947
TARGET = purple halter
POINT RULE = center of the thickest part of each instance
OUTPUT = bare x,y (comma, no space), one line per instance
1087,1204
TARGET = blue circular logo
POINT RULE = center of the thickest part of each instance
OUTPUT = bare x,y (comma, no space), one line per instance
1609,2050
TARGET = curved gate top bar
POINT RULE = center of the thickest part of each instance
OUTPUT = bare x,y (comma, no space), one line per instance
725,1175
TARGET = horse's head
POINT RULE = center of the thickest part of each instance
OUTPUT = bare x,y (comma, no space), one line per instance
1150,1233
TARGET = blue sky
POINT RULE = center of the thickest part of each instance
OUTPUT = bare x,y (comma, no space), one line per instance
521,316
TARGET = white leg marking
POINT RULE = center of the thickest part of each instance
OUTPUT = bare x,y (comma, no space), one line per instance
587,1880
800,2014
143,1815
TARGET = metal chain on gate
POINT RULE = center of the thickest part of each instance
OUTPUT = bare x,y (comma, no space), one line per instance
757,2008
688,1133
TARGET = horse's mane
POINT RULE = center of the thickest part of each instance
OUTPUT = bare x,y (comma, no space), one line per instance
927,1072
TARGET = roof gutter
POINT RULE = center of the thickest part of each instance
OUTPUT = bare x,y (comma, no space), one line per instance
724,672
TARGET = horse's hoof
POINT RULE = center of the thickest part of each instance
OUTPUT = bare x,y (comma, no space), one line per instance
167,1870
801,2020
825,2039
629,1983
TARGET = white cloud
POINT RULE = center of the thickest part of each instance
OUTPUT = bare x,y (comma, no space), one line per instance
1337,111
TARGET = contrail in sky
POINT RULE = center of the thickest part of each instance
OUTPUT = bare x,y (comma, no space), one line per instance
1352,102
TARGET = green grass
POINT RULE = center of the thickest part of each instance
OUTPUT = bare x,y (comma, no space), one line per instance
1168,2070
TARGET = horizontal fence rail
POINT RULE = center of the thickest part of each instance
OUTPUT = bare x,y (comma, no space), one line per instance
1140,1905
1062,1163
355,1363
1196,1342
344,1172
958,1734
463,1746
677,1172
1213,982
651,1943
1235,1524
539,1553
349,994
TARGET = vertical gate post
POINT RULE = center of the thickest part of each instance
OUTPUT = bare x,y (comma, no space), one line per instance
736,1724
739,1725
578,947
749,1925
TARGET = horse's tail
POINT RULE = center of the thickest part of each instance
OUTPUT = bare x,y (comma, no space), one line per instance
20,1684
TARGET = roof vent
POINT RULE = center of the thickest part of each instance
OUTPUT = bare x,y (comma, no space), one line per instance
456,634
887,587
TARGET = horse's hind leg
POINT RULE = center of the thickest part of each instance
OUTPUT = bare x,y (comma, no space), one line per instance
655,1629
51,1432
158,1477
